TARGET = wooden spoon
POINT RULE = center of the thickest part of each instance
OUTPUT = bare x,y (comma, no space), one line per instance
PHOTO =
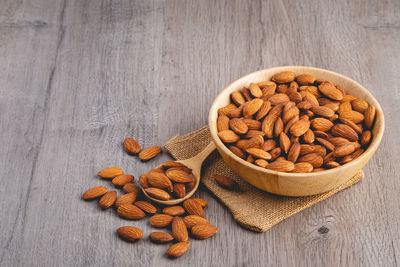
193,163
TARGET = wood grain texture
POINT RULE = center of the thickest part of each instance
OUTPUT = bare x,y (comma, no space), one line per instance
80,76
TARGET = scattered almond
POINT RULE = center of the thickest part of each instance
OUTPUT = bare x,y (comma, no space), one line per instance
110,172
204,231
149,153
178,249
131,146
161,237
108,199
94,192
130,233
224,181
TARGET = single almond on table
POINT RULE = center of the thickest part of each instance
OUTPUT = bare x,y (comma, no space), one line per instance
174,210
203,231
131,188
149,153
161,220
94,192
129,211
131,146
192,220
157,193
224,181
179,230
202,202
178,249
193,207
146,207
126,199
130,233
161,237
108,199
110,172
122,180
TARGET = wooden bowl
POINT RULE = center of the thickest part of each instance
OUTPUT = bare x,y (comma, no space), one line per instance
296,184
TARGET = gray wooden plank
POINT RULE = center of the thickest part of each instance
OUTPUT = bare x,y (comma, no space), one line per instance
80,76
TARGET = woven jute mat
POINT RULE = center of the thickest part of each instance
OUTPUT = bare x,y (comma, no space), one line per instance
252,208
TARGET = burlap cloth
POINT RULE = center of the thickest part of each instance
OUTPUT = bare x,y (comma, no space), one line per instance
252,208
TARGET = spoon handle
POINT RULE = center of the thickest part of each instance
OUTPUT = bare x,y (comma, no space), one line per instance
197,160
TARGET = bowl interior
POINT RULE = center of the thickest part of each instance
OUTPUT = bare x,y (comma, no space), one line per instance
349,85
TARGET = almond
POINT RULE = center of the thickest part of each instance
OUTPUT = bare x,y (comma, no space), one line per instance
251,107
192,220
323,111
172,164
332,164
261,162
344,150
174,210
146,207
255,90
131,188
350,123
269,121
203,231
143,181
161,237
352,115
282,88
276,152
268,145
289,112
159,180
108,199
278,128
304,105
279,99
161,220
202,202
130,233
344,106
110,172
178,249
369,116
309,136
313,158
326,143
122,180
300,127
258,153
281,166
290,124
179,176
342,130
228,136
149,153
179,230
189,186
252,124
238,98
246,93
359,105
193,207
236,112
252,133
294,152
225,110
157,193
305,79
330,91
129,211
284,77
309,97
238,126
131,146
321,124
94,192
284,142
303,167
180,190
126,199
255,141
366,138
222,123
263,111
336,141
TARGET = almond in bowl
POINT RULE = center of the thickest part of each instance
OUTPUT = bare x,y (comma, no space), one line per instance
277,125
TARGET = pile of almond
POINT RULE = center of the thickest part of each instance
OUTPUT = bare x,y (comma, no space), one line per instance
171,180
133,206
296,124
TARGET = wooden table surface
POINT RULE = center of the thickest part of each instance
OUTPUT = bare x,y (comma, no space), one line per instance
78,76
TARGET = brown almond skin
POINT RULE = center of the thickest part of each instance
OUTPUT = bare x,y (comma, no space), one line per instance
237,151
143,181
161,220
343,130
344,150
222,123
179,230
192,220
330,91
281,166
366,138
131,212
157,193
149,153
146,207
178,249
131,146
108,199
294,152
126,199
122,180
305,79
94,192
202,202
110,172
174,210
179,176
193,207
130,233
250,108
131,188
228,136
161,237
303,167
203,231
224,181
238,126
284,77
159,180
238,98
313,158
369,116
300,127
258,153
180,190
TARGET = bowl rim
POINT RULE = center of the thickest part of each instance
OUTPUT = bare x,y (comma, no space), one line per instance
370,150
